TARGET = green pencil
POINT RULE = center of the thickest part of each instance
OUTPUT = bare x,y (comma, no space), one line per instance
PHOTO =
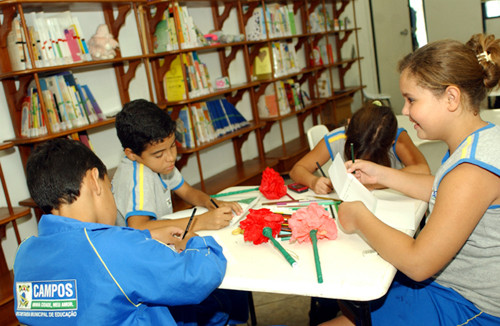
352,155
352,152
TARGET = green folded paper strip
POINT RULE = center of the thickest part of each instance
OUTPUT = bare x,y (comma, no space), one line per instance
268,232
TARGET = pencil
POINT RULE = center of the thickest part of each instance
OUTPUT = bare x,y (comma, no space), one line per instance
213,202
320,169
352,155
352,152
189,223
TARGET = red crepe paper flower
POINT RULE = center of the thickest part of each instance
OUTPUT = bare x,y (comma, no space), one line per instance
255,222
272,185
313,217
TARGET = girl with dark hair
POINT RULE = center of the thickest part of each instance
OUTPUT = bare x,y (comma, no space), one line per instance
374,134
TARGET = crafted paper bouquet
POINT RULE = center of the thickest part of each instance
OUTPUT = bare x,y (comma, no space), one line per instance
272,185
308,224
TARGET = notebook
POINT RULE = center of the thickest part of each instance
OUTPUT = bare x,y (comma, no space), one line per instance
397,214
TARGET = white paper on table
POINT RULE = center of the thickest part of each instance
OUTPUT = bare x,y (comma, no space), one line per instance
201,210
397,214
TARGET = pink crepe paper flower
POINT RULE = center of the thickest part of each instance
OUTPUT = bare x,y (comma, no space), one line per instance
272,185
255,222
313,217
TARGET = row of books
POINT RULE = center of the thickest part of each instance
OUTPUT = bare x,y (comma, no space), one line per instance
56,39
68,104
207,121
288,97
284,61
323,85
82,137
322,54
320,21
276,19
177,21
196,74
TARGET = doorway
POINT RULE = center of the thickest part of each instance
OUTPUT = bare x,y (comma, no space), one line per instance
396,32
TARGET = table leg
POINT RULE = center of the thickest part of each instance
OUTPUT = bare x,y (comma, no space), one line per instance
360,310
253,317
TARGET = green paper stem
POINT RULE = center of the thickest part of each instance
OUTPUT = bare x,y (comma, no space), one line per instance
268,232
234,192
314,241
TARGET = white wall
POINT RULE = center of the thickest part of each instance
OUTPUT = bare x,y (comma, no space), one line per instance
453,19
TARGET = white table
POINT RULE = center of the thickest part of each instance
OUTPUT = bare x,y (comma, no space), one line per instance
351,269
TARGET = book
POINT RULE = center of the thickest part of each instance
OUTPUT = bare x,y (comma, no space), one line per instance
255,29
172,32
291,19
59,41
74,112
25,117
78,98
15,46
209,125
199,126
53,86
73,45
186,127
397,214
84,138
161,37
174,81
262,64
271,105
48,99
97,109
236,119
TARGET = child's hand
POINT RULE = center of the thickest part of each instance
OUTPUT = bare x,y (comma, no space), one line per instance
180,244
350,214
234,206
366,172
322,186
214,219
172,235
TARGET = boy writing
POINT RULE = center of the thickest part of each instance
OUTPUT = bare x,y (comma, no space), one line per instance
147,174
82,270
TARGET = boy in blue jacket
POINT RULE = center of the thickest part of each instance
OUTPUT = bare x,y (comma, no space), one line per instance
81,269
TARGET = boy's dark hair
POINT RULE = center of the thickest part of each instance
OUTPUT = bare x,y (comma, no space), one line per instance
372,131
55,170
141,123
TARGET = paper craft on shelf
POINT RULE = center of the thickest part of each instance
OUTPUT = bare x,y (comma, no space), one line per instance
396,214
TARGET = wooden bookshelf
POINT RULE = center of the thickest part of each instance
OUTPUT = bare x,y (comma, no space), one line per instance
233,15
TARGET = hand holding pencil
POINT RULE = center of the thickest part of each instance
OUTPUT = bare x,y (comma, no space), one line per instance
322,185
172,235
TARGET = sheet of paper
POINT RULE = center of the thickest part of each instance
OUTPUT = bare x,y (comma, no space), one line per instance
397,214
348,187
201,210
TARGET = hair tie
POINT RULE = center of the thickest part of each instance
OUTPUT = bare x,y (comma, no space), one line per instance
377,103
484,56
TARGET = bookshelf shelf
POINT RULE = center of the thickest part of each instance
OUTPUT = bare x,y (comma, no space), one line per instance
95,64
201,146
32,140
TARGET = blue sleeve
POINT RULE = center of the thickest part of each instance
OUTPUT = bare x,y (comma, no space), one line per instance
398,133
148,271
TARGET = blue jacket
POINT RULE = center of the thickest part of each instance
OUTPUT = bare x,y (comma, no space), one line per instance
78,273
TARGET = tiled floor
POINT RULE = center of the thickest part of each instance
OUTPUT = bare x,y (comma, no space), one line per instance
280,309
